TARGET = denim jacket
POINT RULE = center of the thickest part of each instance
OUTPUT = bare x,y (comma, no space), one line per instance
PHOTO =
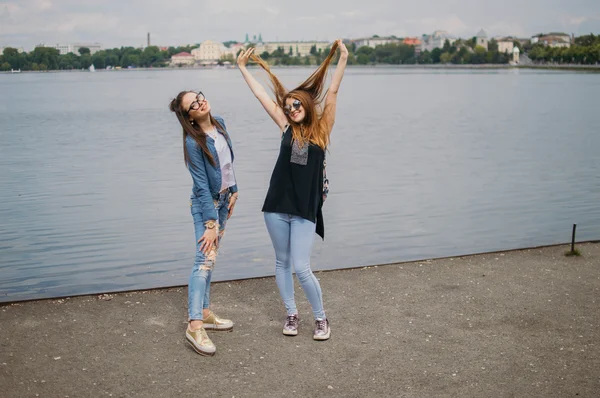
206,177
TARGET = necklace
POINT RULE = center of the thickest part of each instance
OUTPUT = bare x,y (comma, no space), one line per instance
212,134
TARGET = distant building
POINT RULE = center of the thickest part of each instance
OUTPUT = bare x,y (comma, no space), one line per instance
209,52
436,40
74,47
505,45
552,39
482,39
234,49
375,41
298,48
183,58
412,41
516,55
254,41
522,42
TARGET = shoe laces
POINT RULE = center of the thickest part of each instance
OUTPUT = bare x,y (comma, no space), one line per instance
321,325
291,321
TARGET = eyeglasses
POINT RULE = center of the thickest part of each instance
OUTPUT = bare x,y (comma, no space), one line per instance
195,105
295,105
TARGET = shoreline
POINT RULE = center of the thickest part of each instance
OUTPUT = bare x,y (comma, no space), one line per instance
576,68
167,287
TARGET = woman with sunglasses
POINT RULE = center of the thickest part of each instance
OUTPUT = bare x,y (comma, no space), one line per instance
292,208
208,154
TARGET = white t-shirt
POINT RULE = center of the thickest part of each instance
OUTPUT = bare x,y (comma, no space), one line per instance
227,175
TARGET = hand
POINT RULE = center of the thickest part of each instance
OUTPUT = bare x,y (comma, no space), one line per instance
244,56
208,240
343,49
232,202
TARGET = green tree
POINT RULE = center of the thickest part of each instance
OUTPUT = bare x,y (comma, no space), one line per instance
445,58
362,59
69,61
493,45
425,57
99,59
152,57
463,56
46,56
5,66
12,56
479,56
84,51
277,53
537,53
446,47
351,58
436,55
86,61
227,58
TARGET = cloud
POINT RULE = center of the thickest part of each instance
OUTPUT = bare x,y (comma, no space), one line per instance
272,11
177,22
89,22
43,5
450,23
507,29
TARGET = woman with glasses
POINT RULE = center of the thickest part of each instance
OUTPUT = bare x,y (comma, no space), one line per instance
208,154
292,208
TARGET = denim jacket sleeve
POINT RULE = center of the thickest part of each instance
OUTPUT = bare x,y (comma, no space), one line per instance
219,119
198,171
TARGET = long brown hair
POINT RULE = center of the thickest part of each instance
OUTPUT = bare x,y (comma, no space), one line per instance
192,129
313,128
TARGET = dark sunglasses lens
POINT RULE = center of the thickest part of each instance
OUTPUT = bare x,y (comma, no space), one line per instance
296,104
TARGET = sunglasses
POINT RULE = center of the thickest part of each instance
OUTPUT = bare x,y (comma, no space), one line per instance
295,106
195,105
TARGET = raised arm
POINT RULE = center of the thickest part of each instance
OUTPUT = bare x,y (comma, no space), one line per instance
336,80
259,91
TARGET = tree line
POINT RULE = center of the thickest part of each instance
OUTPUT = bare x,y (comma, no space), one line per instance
585,50
46,58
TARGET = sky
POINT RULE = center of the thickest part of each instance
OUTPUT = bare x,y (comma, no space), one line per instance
26,23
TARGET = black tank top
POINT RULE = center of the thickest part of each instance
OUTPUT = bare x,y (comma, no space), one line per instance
296,185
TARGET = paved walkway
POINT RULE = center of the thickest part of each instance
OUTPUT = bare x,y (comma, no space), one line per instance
515,324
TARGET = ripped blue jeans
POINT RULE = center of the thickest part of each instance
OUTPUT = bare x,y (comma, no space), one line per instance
199,284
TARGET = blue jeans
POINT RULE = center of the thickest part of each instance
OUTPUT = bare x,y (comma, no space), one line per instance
293,239
199,284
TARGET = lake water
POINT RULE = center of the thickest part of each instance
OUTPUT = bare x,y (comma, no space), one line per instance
94,195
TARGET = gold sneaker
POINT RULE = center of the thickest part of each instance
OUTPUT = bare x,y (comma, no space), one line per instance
200,341
213,322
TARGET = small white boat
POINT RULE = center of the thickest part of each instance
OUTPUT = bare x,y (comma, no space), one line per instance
15,71
92,68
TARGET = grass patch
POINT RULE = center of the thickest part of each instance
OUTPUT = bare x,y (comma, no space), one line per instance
574,252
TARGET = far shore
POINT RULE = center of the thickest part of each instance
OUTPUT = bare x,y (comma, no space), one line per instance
578,68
